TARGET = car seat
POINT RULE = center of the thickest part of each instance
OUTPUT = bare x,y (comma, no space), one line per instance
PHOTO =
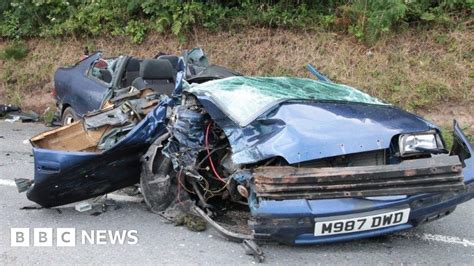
173,59
105,75
156,74
132,71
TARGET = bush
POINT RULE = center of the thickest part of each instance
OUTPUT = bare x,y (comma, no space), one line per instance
365,19
16,51
371,19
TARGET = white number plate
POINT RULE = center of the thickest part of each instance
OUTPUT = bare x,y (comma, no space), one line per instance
364,223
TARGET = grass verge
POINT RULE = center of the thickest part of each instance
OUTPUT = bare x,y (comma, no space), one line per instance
419,70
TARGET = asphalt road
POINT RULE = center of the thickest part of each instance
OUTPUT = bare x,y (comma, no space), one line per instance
446,241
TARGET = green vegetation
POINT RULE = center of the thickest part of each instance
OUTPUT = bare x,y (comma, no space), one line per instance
447,134
16,50
48,115
416,54
412,70
368,20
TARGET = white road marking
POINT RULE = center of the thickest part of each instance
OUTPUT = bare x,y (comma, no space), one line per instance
448,239
7,182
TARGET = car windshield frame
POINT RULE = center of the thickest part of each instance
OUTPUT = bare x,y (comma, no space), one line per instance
243,99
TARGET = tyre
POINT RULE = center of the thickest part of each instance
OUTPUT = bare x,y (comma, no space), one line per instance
155,180
69,116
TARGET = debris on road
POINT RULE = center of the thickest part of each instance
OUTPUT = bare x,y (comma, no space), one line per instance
23,184
13,113
13,119
83,206
8,108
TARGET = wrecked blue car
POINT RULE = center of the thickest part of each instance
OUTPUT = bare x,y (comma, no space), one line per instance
310,161
87,85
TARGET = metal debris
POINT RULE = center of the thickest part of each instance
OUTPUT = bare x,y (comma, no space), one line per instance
83,206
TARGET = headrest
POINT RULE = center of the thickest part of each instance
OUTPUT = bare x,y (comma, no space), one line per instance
133,64
156,69
173,59
105,75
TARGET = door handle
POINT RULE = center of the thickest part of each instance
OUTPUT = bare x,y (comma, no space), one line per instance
48,167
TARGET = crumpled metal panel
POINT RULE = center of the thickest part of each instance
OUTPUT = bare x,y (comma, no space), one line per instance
274,217
245,98
468,161
178,89
187,138
63,177
437,174
112,117
303,131
188,128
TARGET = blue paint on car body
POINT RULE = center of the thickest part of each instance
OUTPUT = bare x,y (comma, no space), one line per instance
302,131
62,177
73,87
292,221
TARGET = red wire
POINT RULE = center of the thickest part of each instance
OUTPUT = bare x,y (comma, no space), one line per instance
209,154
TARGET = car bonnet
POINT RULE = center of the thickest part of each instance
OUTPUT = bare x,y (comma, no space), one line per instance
329,121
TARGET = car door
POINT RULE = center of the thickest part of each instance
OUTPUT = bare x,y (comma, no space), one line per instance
63,177
93,87
100,79
81,88
74,88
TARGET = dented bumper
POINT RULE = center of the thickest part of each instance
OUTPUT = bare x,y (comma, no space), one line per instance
437,174
292,221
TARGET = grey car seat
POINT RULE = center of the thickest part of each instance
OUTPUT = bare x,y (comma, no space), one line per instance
173,59
132,71
105,75
156,74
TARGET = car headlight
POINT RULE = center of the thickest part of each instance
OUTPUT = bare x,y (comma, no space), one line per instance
411,144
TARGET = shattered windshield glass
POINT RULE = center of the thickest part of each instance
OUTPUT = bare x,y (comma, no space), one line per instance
245,98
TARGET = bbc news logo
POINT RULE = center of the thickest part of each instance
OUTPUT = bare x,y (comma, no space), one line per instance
67,237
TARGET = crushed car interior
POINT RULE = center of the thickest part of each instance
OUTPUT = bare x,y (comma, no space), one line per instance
306,161
87,85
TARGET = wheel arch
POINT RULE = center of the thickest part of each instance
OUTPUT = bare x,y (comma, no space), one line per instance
63,108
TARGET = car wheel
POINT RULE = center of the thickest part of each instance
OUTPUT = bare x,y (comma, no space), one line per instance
155,180
69,116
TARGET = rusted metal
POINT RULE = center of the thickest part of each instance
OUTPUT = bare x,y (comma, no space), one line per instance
248,242
437,174
232,236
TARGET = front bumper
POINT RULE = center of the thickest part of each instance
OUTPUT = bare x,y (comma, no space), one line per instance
291,221
274,221
437,174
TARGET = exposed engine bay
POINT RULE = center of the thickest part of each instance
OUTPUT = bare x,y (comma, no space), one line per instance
191,162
